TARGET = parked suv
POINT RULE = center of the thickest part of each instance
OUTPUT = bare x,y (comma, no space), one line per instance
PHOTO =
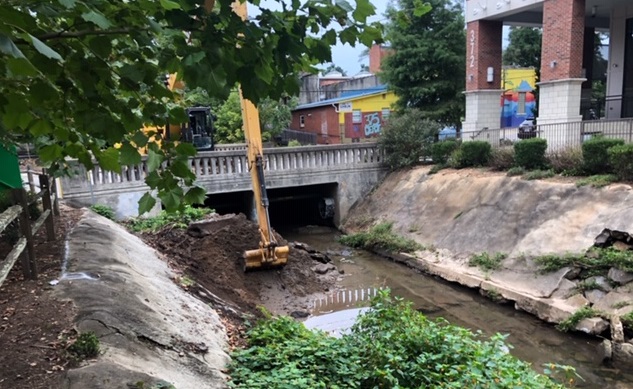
527,129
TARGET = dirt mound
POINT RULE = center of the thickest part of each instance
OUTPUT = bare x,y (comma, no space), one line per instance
212,257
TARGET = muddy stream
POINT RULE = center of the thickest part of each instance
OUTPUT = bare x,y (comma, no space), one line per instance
531,339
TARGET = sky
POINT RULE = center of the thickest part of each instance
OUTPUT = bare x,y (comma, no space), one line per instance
345,56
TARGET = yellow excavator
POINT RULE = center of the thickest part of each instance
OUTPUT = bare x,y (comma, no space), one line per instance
269,254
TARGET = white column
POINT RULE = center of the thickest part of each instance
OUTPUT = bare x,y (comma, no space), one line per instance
483,109
559,101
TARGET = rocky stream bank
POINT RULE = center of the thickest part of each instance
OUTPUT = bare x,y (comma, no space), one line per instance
456,215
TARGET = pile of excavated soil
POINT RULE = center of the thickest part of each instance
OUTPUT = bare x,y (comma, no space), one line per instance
213,260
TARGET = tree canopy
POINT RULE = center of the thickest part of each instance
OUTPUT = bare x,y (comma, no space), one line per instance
427,67
334,68
524,48
80,78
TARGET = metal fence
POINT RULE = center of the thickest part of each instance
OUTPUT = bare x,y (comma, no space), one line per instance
558,135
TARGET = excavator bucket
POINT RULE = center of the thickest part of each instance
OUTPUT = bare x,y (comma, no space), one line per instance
265,258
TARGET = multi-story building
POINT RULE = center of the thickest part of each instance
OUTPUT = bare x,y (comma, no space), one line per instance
566,60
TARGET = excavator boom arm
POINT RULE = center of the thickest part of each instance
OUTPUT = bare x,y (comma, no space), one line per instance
269,253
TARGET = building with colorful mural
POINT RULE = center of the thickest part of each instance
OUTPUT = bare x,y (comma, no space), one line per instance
517,102
355,116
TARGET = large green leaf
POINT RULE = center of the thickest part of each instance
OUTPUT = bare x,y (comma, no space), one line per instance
50,153
168,4
8,47
44,49
129,155
171,198
196,195
154,160
146,203
109,159
96,18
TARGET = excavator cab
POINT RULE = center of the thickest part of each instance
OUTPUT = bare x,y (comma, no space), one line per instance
199,130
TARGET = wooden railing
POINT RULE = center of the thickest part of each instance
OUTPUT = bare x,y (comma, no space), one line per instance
44,191
231,162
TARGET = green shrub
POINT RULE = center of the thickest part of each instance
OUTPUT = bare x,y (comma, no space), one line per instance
293,143
595,154
566,161
437,167
486,262
501,158
407,138
390,346
627,320
381,236
175,219
103,210
598,260
597,181
442,150
86,346
516,171
530,153
474,153
621,160
571,322
538,174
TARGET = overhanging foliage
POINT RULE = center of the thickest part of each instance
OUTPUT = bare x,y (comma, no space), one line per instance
80,78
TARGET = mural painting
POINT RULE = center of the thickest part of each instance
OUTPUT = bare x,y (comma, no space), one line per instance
369,125
518,102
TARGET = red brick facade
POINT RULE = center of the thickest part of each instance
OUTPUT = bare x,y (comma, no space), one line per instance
322,121
376,54
563,38
483,50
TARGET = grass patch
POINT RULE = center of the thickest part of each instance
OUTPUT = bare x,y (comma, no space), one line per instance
103,210
486,262
621,304
597,181
381,236
538,174
515,171
494,295
86,346
627,320
437,167
179,219
573,320
585,285
597,261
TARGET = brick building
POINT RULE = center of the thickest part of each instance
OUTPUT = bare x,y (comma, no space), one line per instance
377,54
355,116
567,54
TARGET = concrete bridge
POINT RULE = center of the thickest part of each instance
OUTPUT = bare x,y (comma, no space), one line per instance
339,174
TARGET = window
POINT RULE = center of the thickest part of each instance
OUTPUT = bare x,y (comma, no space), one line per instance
357,116
521,104
302,121
385,113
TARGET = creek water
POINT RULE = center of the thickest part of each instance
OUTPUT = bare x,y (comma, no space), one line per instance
531,339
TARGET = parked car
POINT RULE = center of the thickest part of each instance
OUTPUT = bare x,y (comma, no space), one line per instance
527,129
447,133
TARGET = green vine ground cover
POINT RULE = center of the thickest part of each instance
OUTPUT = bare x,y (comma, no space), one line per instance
390,346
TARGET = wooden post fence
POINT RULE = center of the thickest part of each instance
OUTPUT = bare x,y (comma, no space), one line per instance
25,245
